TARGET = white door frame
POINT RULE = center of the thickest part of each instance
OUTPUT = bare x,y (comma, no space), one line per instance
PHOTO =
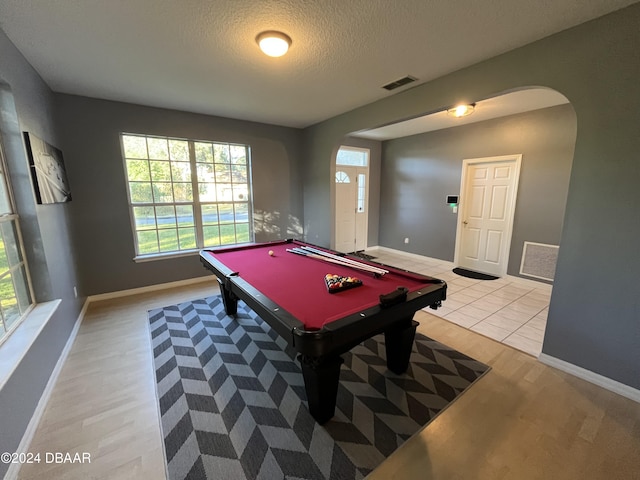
462,205
356,170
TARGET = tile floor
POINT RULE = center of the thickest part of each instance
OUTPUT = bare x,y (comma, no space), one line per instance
511,310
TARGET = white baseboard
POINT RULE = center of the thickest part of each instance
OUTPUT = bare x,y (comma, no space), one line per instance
592,377
150,288
531,283
14,468
415,256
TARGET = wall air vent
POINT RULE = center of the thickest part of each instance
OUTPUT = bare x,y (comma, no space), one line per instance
399,83
539,260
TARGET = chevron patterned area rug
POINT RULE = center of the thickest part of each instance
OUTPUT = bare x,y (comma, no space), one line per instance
233,405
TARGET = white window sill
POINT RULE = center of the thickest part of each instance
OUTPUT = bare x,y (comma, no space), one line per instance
16,346
150,257
163,256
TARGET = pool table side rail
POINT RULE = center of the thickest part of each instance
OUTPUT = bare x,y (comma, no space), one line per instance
349,329
293,241
245,246
259,303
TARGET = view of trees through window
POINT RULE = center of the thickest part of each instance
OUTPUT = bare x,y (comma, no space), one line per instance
186,194
15,295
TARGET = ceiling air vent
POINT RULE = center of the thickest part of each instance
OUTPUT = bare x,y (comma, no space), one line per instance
399,83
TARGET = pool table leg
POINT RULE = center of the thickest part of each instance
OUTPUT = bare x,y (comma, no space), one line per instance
398,345
321,378
229,300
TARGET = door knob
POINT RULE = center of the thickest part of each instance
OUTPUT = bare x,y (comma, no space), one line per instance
465,222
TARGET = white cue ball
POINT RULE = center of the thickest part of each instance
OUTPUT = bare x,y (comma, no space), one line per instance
271,252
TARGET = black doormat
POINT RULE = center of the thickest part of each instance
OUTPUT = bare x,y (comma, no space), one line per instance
233,404
471,274
362,255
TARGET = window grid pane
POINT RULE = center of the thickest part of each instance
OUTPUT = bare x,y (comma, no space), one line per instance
9,301
352,156
187,238
162,174
361,192
184,214
180,171
15,294
168,238
342,177
147,241
179,150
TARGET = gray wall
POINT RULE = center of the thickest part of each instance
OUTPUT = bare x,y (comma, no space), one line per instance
90,141
420,170
27,105
594,311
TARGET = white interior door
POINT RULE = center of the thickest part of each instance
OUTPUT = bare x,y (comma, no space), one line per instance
487,205
351,208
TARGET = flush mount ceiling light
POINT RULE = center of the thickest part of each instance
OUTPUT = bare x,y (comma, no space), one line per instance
274,44
462,110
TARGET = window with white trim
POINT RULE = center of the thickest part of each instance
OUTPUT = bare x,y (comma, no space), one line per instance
352,156
186,194
362,192
16,297
342,177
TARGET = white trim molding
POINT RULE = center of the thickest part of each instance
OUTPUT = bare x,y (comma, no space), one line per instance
591,377
150,288
415,256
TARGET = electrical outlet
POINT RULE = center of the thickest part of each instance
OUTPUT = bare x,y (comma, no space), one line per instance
406,240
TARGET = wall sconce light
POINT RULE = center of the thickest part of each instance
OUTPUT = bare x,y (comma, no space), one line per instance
462,110
274,44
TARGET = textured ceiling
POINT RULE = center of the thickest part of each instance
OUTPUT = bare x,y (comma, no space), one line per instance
201,55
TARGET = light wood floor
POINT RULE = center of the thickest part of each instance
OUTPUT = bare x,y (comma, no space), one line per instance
523,420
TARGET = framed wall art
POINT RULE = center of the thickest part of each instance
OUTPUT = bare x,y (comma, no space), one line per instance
47,171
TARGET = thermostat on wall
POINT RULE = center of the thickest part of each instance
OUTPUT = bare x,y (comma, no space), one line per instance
452,199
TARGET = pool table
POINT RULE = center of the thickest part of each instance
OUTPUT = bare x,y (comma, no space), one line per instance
289,292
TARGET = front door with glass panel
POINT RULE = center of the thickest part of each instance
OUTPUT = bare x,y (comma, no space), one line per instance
351,196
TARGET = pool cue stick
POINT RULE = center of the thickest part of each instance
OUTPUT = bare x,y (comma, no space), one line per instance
348,261
330,260
313,255
339,261
372,268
